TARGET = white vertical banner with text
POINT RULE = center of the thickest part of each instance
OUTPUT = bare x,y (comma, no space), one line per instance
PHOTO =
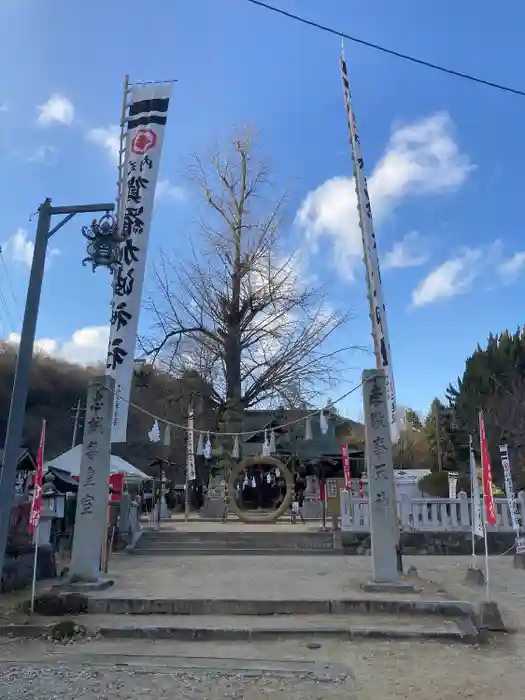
509,488
146,122
190,449
373,274
478,527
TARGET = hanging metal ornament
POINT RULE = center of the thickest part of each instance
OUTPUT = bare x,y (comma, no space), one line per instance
273,448
323,422
254,483
200,444
167,435
308,430
266,445
154,433
268,479
207,447
277,473
235,451
245,482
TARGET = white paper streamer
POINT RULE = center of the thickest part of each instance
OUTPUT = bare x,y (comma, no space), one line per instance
308,430
154,433
200,445
207,447
323,423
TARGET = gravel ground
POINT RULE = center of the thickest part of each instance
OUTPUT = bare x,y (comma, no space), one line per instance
44,683
372,671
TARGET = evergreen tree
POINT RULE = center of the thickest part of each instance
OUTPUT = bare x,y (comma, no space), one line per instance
494,382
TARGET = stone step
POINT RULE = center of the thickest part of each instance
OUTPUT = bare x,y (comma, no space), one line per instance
225,543
284,539
227,551
240,628
378,605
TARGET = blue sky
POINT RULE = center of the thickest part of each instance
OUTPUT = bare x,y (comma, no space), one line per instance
444,156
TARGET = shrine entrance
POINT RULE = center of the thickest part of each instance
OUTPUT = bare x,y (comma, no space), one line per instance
260,489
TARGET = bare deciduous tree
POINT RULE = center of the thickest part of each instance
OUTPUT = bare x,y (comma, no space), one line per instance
238,311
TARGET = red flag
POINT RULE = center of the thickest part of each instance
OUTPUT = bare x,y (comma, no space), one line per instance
36,504
116,485
488,497
346,466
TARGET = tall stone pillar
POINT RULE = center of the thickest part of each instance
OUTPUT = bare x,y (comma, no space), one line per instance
92,499
381,487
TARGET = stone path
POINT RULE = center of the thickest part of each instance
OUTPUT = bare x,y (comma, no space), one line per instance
360,670
310,577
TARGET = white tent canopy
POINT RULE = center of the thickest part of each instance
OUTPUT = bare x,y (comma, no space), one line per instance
70,462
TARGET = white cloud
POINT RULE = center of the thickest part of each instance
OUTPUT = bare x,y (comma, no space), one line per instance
510,268
19,248
107,138
421,158
87,346
57,110
46,154
166,191
453,277
408,252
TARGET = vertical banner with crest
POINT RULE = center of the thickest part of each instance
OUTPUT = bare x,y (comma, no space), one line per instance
145,125
373,274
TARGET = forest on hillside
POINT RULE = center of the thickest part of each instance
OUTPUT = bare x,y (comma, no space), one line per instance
56,387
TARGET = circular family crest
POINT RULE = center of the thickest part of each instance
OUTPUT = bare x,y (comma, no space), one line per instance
255,462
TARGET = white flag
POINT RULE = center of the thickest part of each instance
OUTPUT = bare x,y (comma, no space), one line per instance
190,449
509,488
477,517
371,257
146,122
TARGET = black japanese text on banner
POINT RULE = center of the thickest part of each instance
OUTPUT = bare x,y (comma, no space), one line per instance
146,122
190,451
377,304
509,488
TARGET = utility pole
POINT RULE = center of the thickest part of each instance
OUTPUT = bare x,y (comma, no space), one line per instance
437,418
75,426
15,423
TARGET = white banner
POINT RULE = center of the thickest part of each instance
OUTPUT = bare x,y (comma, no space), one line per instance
452,484
190,449
377,303
477,517
146,123
509,488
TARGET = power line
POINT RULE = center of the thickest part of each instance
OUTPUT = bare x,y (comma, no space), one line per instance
3,300
383,49
8,277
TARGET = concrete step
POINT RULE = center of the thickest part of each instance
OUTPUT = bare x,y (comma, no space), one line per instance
222,542
239,627
284,540
163,551
378,605
225,544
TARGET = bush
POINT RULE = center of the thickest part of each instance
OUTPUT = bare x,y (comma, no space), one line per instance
435,484
65,630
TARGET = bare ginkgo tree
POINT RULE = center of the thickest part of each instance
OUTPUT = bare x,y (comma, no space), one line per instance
240,310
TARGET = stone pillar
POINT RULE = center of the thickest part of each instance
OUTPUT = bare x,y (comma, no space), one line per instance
378,453
93,490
